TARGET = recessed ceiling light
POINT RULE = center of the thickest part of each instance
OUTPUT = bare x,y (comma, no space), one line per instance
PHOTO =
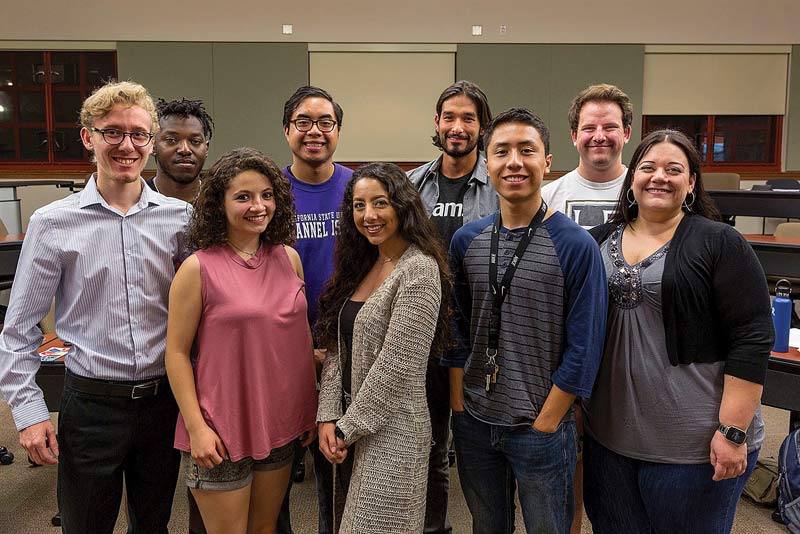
287,29
477,29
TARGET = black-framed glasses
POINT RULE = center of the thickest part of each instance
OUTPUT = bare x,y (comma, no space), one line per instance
112,136
305,125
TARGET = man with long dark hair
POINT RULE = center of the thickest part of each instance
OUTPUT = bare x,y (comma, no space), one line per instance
455,190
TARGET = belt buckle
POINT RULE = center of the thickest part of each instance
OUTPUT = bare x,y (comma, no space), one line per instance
152,383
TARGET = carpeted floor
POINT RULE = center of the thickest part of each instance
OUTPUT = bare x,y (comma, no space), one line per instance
27,494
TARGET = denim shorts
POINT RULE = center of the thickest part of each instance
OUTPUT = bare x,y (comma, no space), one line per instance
234,475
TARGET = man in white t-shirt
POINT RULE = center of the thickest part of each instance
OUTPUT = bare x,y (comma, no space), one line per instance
600,120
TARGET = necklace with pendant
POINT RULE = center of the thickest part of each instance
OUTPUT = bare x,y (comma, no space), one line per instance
251,254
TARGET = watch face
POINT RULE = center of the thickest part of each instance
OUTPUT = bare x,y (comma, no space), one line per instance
735,435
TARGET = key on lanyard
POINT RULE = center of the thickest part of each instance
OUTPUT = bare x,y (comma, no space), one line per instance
490,370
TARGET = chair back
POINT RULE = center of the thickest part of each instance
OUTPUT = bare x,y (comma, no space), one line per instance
788,229
721,181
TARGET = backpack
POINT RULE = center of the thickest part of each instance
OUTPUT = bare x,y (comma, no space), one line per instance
789,481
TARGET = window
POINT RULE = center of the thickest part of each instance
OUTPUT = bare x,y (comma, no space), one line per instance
728,142
40,99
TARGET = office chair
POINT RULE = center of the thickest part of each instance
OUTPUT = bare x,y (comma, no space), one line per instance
788,229
722,181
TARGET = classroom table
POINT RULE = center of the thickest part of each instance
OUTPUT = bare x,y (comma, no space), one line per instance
50,377
10,247
779,256
9,201
749,203
782,385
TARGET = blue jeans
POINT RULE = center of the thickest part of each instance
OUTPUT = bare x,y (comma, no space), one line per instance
623,495
493,460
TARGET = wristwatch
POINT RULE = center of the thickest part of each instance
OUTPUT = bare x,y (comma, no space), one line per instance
338,432
733,434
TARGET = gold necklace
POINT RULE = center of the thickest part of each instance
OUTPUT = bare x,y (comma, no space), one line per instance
251,254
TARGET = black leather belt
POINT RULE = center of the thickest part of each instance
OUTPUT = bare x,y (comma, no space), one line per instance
110,388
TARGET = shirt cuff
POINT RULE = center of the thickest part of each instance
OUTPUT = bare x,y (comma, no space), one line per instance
30,414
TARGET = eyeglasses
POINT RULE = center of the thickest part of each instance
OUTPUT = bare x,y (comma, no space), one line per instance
305,125
112,136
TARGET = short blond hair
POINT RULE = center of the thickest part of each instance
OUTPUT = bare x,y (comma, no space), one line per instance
104,98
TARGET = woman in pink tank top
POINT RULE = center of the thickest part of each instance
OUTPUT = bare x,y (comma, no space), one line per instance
239,351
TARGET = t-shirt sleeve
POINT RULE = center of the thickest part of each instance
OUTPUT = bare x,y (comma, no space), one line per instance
586,306
462,295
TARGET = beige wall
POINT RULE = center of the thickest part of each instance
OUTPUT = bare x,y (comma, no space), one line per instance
700,82
414,21
387,117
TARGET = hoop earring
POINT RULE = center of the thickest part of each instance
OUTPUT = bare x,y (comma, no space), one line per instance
688,205
631,202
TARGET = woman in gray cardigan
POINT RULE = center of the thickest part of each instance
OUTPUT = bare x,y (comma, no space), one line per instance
383,312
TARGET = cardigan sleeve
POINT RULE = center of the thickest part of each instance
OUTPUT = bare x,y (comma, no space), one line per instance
403,355
742,306
330,389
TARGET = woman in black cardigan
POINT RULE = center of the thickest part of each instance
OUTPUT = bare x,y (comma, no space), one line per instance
674,426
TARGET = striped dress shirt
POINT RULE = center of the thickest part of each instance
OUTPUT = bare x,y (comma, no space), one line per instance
110,275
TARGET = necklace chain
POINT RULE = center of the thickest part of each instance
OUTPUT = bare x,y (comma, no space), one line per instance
244,251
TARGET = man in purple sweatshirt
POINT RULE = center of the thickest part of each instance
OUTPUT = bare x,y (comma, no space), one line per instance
312,121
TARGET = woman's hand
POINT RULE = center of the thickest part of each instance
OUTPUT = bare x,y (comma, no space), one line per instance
208,450
331,447
320,355
309,437
728,459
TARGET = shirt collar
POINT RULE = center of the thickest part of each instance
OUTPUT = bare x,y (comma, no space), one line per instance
91,196
479,172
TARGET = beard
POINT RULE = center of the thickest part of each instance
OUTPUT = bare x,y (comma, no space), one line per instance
180,176
458,153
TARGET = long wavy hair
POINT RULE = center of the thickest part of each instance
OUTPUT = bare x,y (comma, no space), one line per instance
208,226
702,204
354,255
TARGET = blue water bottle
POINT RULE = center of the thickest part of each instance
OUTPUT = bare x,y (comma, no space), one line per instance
782,315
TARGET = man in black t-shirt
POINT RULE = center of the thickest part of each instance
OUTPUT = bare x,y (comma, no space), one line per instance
455,189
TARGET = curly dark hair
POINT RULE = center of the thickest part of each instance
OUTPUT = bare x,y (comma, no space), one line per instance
354,255
208,226
702,205
187,108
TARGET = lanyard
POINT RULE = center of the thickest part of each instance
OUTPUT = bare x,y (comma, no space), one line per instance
499,292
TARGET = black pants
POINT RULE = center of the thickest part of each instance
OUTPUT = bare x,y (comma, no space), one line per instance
437,385
100,439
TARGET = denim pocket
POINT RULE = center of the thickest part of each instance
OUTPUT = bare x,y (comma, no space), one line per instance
545,434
